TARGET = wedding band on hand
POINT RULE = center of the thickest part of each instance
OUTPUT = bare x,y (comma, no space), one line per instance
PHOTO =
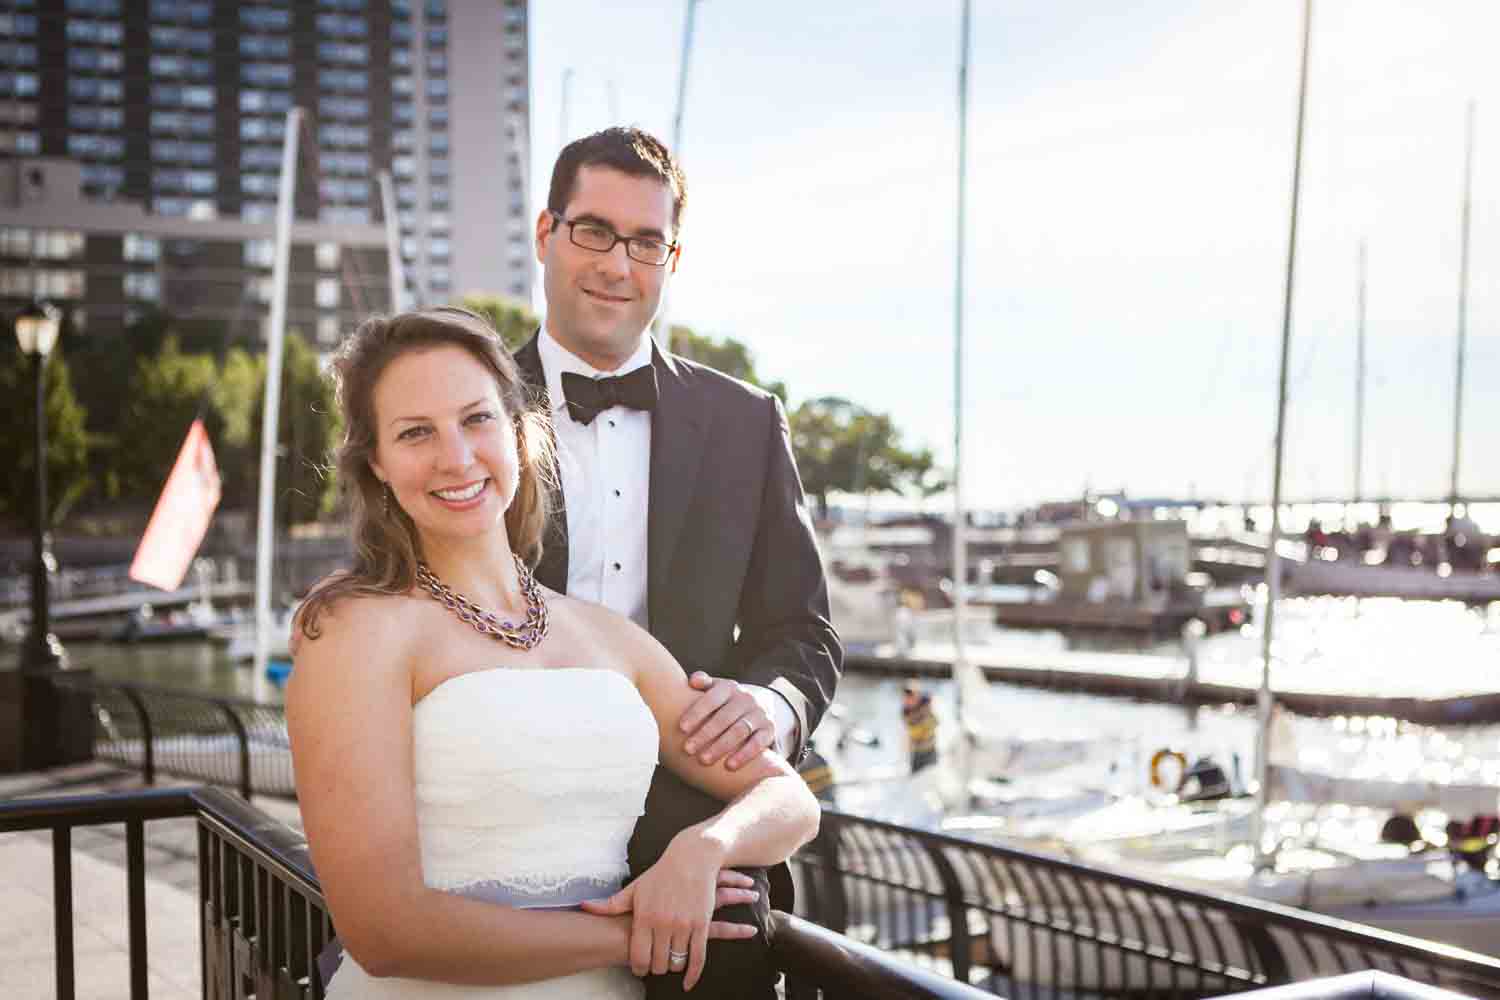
676,959
748,724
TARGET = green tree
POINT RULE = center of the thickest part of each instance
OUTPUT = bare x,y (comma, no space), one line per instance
67,441
307,430
511,318
165,394
729,356
841,446
236,397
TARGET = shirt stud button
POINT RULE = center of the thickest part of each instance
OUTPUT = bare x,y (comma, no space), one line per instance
617,492
617,567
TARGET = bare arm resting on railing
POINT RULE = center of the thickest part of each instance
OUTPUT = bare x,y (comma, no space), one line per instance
350,714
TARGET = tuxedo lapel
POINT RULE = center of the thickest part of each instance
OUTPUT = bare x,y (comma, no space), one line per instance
552,571
678,431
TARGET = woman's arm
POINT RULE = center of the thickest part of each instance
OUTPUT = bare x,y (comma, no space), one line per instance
349,712
769,814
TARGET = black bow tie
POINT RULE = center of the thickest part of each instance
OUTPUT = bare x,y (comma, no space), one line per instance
589,397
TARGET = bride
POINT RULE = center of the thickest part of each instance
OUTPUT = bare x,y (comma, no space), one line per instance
472,750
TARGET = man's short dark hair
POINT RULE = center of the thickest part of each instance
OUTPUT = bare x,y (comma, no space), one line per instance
630,150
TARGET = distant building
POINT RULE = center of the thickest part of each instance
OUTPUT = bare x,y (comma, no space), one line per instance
141,141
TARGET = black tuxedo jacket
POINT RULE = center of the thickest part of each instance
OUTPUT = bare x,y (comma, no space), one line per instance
734,582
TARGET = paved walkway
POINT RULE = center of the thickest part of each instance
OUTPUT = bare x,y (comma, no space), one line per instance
100,927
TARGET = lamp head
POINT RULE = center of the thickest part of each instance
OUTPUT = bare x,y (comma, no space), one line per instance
36,328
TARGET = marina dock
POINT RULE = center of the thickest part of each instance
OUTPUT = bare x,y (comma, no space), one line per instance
1168,679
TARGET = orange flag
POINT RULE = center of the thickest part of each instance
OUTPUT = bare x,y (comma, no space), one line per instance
181,517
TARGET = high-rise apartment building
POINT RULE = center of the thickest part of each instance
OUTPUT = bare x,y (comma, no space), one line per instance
141,145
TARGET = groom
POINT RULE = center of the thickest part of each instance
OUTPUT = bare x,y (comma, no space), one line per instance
680,503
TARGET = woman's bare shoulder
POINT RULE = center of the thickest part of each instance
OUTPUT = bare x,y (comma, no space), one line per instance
377,625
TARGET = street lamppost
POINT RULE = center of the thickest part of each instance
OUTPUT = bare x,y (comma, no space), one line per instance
36,332
42,723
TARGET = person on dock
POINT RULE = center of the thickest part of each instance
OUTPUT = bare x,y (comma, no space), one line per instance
921,726
679,505
473,748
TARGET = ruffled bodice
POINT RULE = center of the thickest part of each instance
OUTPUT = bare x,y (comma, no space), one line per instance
528,786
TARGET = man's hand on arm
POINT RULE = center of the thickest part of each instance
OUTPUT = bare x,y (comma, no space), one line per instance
736,720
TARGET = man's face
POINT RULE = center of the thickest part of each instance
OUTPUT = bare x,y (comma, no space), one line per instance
599,304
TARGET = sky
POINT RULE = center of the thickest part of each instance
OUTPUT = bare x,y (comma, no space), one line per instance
1126,234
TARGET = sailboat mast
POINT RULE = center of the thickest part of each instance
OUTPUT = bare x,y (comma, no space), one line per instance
960,548
1463,308
663,321
1273,557
265,538
1359,386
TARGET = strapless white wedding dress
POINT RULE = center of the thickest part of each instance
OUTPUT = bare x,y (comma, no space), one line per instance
528,785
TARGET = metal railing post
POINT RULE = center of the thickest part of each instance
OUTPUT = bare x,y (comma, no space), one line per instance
135,880
240,733
62,908
148,740
960,948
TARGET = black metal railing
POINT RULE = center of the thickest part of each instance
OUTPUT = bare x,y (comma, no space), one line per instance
264,922
234,742
1029,925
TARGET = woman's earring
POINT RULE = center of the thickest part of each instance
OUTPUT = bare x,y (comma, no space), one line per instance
385,499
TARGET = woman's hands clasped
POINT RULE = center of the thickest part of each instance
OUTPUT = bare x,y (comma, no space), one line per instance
671,907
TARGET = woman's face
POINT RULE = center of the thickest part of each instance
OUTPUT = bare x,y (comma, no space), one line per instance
444,443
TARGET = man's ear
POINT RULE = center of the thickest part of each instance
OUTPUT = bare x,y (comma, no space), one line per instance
544,230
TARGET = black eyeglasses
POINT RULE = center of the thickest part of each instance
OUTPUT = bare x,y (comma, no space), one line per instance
602,239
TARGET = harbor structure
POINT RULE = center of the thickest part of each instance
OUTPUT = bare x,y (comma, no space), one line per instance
140,149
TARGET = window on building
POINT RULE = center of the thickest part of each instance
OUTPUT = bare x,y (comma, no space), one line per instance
437,62
90,88
264,74
57,244
266,18
265,46
260,185
343,134
344,107
95,32
184,95
262,129
343,79
143,285
190,181
17,54
343,52
141,248
26,143
260,289
15,241
328,330
96,60
342,25
437,88
182,151
59,284
170,36
17,113
253,101
260,158
105,176
193,11
104,147
345,162
260,253
191,67
103,8
182,122
326,293
326,255
17,25
344,215
89,116
258,211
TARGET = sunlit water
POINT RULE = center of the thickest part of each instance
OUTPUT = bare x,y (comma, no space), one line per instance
1370,646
